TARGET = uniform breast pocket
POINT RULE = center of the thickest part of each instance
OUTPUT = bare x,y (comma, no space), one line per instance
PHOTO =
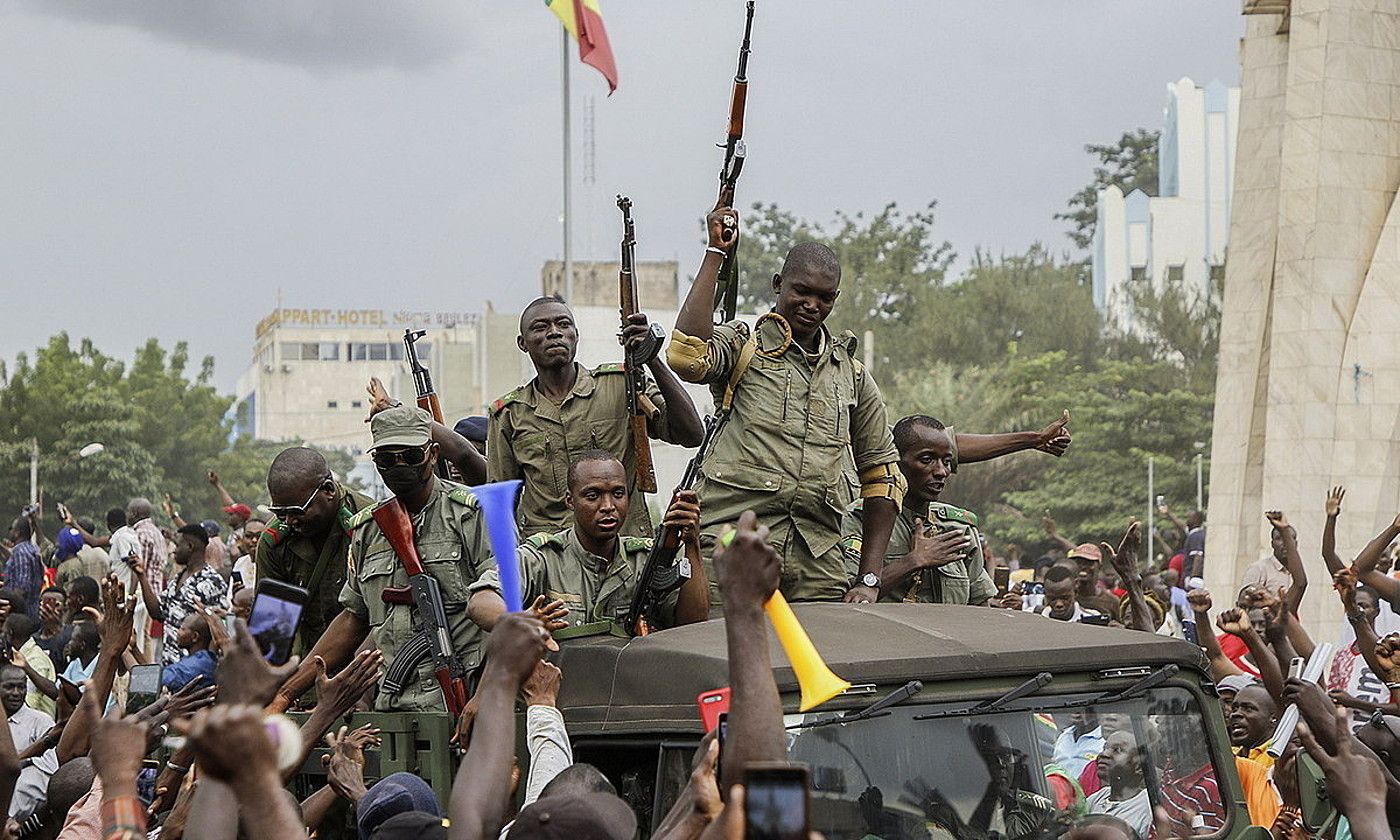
376,574
444,562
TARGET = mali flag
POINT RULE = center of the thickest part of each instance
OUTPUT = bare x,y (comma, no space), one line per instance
584,21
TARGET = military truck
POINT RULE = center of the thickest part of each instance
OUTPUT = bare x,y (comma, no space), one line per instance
959,722
979,736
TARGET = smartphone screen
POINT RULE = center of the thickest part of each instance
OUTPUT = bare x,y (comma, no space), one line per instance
722,724
144,687
775,802
1001,576
277,608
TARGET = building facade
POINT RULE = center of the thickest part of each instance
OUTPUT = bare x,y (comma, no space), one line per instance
1177,238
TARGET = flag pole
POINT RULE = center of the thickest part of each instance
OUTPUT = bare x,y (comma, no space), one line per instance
568,169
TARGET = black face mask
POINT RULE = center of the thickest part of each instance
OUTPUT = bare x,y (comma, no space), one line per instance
402,480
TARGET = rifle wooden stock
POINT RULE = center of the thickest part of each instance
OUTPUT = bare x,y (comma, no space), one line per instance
422,592
736,109
641,446
430,404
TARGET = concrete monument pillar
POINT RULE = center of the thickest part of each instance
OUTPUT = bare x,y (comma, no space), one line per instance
1308,392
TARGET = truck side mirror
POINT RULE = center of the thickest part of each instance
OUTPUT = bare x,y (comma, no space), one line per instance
1318,810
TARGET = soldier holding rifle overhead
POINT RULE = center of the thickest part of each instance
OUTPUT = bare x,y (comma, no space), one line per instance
802,404
536,431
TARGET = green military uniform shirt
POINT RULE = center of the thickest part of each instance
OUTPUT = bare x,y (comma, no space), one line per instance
799,422
594,588
450,533
963,581
282,554
530,437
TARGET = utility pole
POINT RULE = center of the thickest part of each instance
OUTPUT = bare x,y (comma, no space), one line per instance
1150,523
34,470
568,173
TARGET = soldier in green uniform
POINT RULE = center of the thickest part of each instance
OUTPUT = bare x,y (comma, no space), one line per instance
803,408
590,567
935,551
536,431
450,534
308,544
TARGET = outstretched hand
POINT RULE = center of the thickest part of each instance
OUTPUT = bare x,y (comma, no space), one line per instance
379,398
1277,520
1334,500
1055,438
244,676
1125,557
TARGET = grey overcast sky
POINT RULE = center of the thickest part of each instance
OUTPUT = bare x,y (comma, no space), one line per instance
167,167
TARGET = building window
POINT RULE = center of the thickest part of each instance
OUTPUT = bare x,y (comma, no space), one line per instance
332,404
310,351
361,351
1176,275
1217,274
357,404
1139,274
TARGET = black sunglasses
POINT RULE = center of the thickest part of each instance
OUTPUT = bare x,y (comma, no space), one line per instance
283,511
410,457
1378,720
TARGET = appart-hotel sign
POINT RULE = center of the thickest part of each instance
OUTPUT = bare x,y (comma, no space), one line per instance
364,319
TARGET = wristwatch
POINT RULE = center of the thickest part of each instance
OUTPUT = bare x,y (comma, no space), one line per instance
871,580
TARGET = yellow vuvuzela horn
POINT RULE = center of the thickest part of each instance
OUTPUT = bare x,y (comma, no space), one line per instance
818,683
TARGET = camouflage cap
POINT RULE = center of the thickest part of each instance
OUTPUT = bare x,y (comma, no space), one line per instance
403,425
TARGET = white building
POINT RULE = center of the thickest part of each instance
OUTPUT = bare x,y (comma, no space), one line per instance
1181,233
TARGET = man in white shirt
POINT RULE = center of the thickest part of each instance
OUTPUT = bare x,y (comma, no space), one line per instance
34,737
1061,603
1124,791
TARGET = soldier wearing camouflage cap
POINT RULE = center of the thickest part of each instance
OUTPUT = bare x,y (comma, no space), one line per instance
450,534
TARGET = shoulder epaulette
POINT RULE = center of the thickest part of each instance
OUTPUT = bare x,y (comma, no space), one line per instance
632,545
505,401
846,341
360,517
463,496
949,513
273,533
610,367
539,540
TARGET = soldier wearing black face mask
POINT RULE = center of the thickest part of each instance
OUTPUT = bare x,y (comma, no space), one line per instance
450,534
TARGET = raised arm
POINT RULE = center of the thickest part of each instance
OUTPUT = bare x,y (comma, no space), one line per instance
225,500
1365,565
1329,530
1236,623
1220,664
1292,560
479,798
167,504
697,312
748,576
1052,530
1125,563
1053,439
456,449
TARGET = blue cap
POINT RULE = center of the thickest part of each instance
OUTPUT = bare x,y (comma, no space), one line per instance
210,527
472,428
393,795
69,543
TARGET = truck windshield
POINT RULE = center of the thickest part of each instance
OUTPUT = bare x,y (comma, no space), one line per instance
1013,773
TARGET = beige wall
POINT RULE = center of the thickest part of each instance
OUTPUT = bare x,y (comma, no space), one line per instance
1312,291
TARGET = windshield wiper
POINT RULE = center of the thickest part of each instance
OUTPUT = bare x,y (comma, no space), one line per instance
899,695
1030,686
1152,680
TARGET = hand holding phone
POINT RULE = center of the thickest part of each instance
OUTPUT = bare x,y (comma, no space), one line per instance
712,704
277,609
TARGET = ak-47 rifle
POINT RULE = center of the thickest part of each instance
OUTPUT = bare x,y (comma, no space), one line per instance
427,394
727,288
640,408
663,573
433,636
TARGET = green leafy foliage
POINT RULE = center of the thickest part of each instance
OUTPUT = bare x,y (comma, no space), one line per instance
161,427
1131,164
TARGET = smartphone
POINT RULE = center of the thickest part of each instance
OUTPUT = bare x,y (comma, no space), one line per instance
722,732
277,609
1295,667
238,578
144,687
712,704
1161,501
775,801
1100,620
1001,576
62,511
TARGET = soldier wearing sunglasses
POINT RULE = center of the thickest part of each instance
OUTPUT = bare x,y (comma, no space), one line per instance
450,534
307,545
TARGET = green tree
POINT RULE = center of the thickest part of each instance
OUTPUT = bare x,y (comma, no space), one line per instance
1131,164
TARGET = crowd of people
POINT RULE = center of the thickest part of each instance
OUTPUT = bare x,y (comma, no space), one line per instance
806,489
